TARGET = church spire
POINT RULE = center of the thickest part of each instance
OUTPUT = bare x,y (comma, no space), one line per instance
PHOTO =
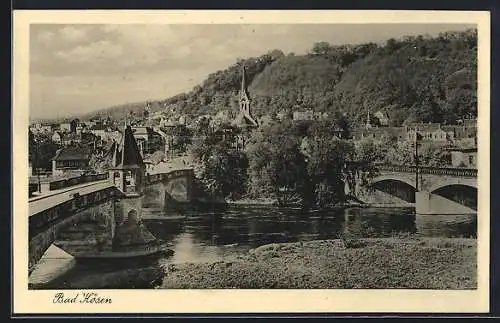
244,116
368,120
243,90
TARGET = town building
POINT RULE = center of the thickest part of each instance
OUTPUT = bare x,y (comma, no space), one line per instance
308,115
98,130
69,161
382,133
69,139
382,118
39,128
81,127
57,137
65,127
464,157
147,139
112,135
430,132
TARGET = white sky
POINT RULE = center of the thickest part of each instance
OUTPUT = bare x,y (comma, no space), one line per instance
75,69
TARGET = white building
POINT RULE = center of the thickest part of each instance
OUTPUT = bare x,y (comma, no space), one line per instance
65,127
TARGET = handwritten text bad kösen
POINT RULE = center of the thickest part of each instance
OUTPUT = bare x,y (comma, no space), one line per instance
80,298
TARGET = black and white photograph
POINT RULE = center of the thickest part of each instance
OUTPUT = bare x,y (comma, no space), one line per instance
263,156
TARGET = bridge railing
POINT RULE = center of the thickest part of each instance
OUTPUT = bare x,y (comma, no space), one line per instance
153,178
460,172
67,182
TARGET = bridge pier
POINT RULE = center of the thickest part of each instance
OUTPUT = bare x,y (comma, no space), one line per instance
130,230
428,204
164,191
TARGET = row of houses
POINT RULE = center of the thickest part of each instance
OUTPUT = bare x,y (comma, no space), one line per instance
73,126
432,132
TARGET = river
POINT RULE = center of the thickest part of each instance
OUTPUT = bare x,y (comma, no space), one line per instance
211,236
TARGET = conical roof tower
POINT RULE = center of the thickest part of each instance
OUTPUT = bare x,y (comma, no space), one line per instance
127,154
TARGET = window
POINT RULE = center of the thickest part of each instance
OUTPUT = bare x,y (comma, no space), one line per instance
471,160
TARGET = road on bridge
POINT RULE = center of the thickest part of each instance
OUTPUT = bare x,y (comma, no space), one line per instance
43,202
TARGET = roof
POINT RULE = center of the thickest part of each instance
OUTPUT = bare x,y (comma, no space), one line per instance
98,127
127,155
243,119
424,127
464,150
142,131
70,153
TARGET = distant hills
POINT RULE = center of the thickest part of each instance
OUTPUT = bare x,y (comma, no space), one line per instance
416,78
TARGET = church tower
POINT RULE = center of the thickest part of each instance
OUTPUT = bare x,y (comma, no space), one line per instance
244,97
368,121
244,118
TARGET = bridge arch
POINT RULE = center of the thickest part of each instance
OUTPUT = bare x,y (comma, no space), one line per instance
393,189
132,216
393,177
470,182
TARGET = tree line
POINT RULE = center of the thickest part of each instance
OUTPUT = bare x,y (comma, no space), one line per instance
297,163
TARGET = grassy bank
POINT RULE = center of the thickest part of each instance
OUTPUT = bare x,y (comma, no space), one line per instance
423,263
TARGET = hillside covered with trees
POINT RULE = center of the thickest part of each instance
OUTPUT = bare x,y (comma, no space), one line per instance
414,79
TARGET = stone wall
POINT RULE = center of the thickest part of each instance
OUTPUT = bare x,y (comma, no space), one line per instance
41,241
130,231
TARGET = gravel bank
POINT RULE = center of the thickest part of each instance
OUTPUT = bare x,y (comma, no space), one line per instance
424,263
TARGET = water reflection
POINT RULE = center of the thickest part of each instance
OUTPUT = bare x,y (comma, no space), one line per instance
209,236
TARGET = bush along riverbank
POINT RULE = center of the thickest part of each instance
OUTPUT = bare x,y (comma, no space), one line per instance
377,263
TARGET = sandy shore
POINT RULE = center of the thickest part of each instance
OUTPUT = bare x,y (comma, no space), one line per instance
430,263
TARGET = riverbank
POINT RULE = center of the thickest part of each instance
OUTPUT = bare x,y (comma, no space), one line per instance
274,202
410,262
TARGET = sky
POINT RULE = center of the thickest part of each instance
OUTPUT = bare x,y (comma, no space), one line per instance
80,68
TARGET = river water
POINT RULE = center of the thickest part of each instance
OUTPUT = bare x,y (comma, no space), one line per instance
210,236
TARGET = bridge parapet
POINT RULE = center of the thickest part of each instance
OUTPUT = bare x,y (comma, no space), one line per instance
68,182
154,178
446,171
40,221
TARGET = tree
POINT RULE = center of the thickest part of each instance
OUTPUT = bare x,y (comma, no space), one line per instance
222,169
43,150
276,164
321,48
182,138
326,161
369,151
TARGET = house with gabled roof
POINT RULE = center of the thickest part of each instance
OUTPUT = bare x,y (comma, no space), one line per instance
70,160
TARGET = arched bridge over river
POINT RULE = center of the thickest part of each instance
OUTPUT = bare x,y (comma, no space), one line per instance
433,191
96,219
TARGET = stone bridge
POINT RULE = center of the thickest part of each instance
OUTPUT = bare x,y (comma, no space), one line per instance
439,191
175,186
98,220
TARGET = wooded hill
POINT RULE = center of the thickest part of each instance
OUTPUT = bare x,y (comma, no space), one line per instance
418,78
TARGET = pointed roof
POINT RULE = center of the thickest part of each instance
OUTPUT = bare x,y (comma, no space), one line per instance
244,90
126,154
243,119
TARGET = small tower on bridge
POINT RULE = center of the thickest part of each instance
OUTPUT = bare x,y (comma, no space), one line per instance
128,174
128,170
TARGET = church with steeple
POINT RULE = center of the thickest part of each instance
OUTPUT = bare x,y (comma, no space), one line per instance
244,121
244,118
